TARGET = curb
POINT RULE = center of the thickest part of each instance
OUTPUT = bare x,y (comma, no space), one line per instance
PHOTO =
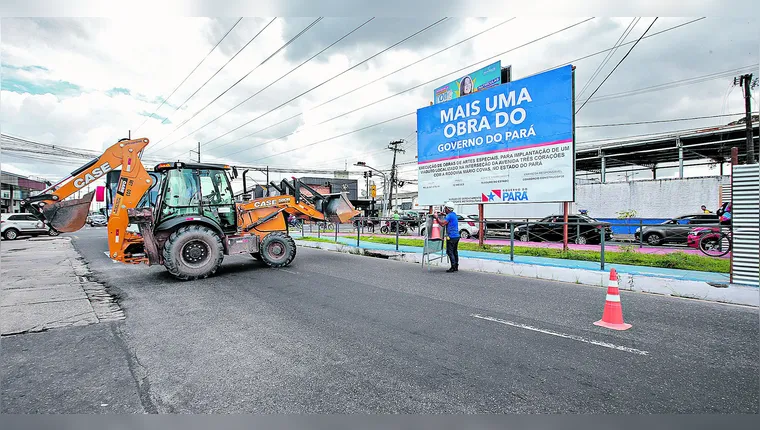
733,294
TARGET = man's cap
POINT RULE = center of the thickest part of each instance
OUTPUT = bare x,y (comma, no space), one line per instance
449,205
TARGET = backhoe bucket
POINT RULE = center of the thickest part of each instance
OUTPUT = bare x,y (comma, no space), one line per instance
68,215
338,209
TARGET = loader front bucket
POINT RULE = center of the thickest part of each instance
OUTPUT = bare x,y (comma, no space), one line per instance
68,215
337,208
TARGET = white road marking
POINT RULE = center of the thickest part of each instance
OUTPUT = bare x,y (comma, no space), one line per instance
289,271
566,336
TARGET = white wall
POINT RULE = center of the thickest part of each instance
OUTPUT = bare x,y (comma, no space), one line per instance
663,198
512,210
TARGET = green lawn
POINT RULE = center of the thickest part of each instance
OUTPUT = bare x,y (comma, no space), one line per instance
675,260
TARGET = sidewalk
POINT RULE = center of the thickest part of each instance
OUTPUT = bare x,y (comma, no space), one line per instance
45,286
682,283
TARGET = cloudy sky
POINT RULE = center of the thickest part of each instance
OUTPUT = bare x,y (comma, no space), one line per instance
83,83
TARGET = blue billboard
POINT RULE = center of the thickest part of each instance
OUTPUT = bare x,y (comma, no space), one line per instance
512,138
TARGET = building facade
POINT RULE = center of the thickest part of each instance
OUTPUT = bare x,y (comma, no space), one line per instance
14,188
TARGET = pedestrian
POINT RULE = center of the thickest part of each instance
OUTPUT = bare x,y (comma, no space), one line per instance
451,222
705,210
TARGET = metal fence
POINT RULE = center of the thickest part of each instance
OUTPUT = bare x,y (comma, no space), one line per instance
582,235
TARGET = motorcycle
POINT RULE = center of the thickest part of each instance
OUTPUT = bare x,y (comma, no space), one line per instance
390,227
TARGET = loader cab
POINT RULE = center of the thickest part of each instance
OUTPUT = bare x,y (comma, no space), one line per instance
195,190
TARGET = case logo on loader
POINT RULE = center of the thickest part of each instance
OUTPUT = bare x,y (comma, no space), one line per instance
268,203
92,176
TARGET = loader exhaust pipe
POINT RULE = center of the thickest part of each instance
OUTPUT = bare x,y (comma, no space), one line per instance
68,215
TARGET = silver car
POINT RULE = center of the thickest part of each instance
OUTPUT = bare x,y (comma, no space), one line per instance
97,220
14,225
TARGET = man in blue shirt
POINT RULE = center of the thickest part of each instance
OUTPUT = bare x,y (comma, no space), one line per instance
451,222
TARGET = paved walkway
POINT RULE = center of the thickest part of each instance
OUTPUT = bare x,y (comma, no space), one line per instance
45,286
686,275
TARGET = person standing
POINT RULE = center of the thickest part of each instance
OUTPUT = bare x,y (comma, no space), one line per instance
451,222
705,210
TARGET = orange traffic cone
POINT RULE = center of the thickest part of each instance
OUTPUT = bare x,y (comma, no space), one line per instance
435,230
612,317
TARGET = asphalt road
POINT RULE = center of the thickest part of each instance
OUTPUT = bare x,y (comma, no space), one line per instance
337,333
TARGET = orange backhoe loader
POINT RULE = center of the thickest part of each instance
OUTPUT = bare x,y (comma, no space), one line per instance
194,221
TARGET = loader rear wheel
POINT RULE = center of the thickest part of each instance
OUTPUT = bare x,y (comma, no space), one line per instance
278,250
193,252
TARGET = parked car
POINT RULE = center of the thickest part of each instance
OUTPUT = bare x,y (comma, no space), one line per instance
467,228
581,230
491,226
14,225
695,235
675,230
97,220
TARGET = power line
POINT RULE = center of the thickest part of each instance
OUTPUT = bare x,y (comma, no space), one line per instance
624,44
618,64
365,85
191,72
340,135
615,46
241,79
416,86
220,69
671,84
275,81
658,121
660,32
339,74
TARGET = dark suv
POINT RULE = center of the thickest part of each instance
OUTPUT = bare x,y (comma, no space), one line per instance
581,229
674,230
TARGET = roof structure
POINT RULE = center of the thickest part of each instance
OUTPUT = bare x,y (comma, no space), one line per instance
650,151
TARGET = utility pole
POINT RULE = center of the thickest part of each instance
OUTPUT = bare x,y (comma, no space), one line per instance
198,151
745,81
393,146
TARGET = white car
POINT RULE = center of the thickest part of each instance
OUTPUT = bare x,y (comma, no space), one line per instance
15,225
468,228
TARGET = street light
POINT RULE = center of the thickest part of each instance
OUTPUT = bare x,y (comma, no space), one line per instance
385,181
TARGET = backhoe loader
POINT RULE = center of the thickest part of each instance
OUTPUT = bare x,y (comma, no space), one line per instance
193,221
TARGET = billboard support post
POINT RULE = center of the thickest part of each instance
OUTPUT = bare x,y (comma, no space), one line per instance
565,209
481,229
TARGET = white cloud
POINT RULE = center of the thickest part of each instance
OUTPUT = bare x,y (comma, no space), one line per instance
151,58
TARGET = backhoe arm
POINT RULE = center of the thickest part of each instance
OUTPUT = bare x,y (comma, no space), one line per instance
261,213
71,215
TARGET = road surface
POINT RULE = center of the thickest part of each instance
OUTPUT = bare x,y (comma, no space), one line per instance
338,333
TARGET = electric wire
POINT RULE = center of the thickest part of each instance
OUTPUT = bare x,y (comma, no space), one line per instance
274,82
164,100
240,80
319,85
221,68
417,86
617,65
606,59
370,83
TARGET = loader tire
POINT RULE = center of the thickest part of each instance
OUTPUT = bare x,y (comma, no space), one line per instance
193,252
278,250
